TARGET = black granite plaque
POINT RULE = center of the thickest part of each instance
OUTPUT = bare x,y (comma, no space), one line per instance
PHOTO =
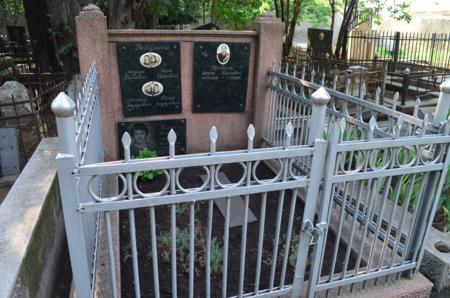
220,76
153,135
149,77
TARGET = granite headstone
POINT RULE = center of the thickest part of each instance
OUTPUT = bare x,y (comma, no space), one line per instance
220,76
150,77
153,135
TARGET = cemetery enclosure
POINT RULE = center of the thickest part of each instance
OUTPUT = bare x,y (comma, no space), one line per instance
367,198
340,207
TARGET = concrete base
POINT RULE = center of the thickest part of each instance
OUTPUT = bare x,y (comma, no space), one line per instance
435,263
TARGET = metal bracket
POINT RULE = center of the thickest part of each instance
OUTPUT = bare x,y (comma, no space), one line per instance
314,230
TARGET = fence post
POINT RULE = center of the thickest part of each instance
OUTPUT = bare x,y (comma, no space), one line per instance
443,105
405,84
320,98
433,44
430,194
395,51
67,163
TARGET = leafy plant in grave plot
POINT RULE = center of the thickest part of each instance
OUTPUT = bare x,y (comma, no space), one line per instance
183,249
147,175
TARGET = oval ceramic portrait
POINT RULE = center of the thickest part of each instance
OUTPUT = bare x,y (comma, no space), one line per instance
223,53
152,88
150,60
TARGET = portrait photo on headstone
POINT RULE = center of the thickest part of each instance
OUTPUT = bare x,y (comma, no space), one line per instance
152,135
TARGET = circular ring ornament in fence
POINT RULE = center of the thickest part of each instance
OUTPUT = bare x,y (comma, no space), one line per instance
231,185
152,194
296,177
430,156
196,189
377,162
267,181
357,159
108,199
406,156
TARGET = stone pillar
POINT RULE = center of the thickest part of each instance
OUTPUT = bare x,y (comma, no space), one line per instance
268,49
92,40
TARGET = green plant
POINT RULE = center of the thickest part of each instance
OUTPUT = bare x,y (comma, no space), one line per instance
147,175
183,249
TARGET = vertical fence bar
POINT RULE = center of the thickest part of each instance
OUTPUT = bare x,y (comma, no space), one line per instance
172,137
213,142
126,142
67,162
308,215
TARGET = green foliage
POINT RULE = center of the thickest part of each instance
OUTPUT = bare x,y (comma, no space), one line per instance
176,11
236,14
147,175
12,8
183,250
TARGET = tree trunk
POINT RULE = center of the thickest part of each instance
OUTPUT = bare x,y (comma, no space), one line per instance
341,45
121,14
38,26
291,23
333,13
62,15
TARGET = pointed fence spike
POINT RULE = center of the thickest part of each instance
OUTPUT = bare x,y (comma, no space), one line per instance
126,139
126,142
342,125
273,65
347,86
172,137
303,71
287,68
289,129
395,101
279,66
251,132
377,95
398,126
335,79
213,134
322,83
447,127
295,70
372,126
251,136
363,90
372,123
416,107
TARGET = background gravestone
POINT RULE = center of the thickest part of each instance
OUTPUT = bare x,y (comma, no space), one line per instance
320,41
153,135
149,77
220,76
9,152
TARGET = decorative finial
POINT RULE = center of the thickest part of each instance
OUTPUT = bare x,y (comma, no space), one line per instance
63,106
320,96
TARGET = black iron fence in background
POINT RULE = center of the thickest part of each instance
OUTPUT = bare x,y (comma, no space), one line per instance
419,49
33,117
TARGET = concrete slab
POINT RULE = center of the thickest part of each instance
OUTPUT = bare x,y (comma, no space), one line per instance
237,205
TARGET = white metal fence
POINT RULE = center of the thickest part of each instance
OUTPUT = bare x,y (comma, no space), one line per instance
378,190
80,138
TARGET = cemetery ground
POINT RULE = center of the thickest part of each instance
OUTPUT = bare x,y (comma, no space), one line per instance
190,178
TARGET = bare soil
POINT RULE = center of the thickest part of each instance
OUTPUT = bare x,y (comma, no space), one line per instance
191,178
